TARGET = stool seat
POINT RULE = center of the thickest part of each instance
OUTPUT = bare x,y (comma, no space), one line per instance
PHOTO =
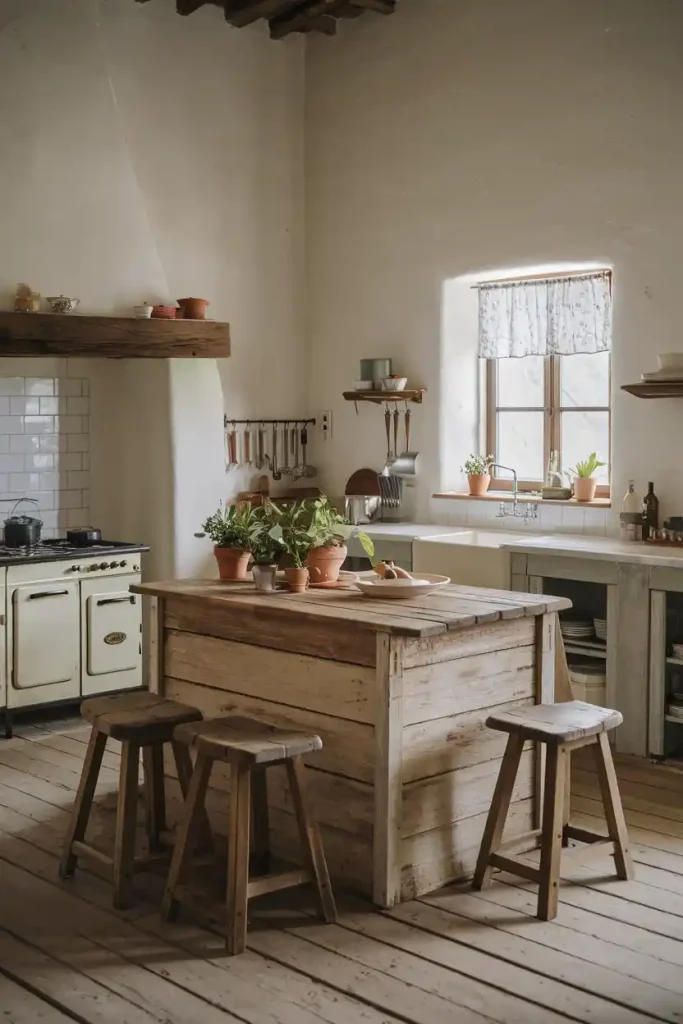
572,720
237,737
143,717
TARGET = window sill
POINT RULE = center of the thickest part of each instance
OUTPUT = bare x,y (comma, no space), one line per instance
522,496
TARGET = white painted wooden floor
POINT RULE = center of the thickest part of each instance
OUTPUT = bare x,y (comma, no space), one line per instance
613,956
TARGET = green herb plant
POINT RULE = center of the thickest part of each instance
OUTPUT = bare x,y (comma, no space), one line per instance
229,527
477,465
263,546
329,527
585,470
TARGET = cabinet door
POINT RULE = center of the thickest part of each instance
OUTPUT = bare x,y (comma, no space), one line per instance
111,639
45,633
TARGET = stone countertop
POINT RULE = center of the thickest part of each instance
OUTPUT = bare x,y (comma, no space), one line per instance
406,531
600,548
451,608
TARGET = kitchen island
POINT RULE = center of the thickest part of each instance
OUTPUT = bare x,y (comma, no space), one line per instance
399,692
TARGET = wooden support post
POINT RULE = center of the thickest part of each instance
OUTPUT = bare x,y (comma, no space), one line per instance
388,784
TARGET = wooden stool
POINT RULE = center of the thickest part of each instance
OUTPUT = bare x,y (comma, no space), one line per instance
563,728
144,722
249,747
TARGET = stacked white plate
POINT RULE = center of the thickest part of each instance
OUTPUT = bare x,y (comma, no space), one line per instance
677,651
577,629
675,711
600,628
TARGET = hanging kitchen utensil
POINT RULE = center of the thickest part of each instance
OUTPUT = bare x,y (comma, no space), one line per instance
387,424
247,445
406,462
396,419
22,531
285,468
232,447
260,460
306,470
407,423
277,475
297,469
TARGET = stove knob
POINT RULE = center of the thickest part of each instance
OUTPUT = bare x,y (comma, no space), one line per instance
93,568
136,568
123,564
104,565
76,568
113,565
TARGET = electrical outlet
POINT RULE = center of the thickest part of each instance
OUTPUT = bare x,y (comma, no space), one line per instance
326,424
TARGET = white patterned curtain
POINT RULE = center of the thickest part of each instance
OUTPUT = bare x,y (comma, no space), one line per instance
546,317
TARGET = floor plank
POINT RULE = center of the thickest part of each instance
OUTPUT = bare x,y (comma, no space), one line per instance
19,1005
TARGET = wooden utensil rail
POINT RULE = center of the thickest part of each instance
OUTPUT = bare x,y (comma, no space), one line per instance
227,422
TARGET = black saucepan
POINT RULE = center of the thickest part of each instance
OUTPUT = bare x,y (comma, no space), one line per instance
84,536
22,531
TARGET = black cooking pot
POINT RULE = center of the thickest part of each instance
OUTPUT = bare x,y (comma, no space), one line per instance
84,536
22,531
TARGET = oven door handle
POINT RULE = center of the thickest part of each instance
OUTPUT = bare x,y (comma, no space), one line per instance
115,600
47,593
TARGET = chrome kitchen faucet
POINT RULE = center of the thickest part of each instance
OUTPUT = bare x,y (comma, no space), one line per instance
525,510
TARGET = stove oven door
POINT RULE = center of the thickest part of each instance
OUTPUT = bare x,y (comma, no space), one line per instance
43,643
111,636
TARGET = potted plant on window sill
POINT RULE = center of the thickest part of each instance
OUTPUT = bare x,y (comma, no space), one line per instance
478,476
265,549
329,530
584,484
228,528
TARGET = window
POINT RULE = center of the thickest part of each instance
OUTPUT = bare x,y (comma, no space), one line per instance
539,404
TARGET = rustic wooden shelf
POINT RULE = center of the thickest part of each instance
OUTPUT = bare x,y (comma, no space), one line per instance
379,397
655,389
117,337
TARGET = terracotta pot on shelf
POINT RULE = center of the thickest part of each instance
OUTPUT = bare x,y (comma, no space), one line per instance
193,309
232,563
584,488
163,312
297,579
324,563
478,483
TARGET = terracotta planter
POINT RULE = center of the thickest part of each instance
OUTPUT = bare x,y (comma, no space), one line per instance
324,563
584,488
232,563
264,577
297,579
193,309
478,483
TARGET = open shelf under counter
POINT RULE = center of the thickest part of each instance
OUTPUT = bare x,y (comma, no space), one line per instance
587,650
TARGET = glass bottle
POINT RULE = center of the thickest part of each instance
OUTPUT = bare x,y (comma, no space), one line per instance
650,511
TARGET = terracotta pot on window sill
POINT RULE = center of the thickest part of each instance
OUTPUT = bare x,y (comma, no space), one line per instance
478,483
584,488
324,563
232,563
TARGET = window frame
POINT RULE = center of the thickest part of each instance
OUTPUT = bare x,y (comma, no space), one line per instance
552,420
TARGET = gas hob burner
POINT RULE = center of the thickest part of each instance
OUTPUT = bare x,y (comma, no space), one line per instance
49,550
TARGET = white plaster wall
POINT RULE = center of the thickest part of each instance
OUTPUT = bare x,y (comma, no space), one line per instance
148,156
461,136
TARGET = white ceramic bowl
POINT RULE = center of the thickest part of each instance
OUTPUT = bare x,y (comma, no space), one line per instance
670,360
394,383
401,589
143,312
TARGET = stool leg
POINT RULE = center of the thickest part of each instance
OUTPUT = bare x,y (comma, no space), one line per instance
155,795
126,822
310,837
566,813
498,811
259,861
187,834
614,812
78,822
552,830
183,763
238,859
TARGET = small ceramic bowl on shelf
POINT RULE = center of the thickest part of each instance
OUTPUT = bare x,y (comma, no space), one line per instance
394,383
143,311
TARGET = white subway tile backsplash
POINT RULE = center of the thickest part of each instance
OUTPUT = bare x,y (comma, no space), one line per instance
44,441
78,442
37,386
12,463
78,406
12,386
85,385
11,425
38,425
24,406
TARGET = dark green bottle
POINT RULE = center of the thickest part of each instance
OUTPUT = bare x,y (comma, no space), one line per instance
650,511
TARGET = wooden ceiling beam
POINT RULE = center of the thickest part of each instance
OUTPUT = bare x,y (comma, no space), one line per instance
378,6
241,13
311,15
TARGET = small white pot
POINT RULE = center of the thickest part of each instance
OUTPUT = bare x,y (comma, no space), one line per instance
144,311
264,577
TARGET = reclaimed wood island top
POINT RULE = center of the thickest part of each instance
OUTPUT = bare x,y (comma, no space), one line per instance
399,692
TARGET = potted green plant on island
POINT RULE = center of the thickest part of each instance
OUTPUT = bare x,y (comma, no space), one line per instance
291,531
228,528
264,547
477,468
329,530
584,484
